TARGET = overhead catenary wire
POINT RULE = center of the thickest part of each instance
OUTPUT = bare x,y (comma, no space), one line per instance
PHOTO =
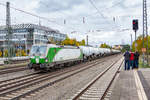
97,9
63,13
52,21
93,14
108,22
34,15
106,18
28,13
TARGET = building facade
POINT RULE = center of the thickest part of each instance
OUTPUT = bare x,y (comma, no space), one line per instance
25,35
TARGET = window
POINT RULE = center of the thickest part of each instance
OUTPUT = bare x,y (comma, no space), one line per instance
38,50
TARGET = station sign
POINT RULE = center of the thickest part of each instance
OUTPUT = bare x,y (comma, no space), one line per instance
143,49
136,45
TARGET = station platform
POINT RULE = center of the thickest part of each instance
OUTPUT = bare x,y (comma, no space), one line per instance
132,85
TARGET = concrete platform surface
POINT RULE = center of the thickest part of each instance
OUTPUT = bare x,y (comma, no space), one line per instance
132,85
144,75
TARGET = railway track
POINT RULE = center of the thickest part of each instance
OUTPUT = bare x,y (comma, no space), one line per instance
19,61
98,88
23,86
52,73
13,69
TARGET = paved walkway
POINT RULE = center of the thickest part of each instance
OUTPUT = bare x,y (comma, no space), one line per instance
132,85
144,75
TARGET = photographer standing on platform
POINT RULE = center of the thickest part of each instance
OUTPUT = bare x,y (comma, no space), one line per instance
127,59
136,59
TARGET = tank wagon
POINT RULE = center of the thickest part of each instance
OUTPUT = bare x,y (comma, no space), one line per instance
91,52
48,56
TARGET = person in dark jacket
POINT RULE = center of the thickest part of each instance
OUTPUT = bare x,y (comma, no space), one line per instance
127,58
136,59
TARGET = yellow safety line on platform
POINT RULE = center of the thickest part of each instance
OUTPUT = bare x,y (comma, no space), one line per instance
140,89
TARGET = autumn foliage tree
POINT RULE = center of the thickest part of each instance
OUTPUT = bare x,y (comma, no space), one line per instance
139,43
104,45
72,42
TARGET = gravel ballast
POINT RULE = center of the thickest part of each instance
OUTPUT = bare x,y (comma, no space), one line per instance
65,89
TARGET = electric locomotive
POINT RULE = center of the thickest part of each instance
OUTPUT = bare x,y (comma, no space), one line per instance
47,56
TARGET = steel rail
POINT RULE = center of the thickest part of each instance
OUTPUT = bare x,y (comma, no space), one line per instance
48,78
93,81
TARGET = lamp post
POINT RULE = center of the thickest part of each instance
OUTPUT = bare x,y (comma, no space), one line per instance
20,46
26,43
135,40
131,41
87,39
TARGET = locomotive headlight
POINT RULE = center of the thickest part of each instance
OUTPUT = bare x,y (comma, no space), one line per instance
46,60
37,60
31,57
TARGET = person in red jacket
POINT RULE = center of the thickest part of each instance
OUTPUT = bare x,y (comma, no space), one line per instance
132,59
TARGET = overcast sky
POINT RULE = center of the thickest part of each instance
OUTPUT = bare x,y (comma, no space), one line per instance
110,23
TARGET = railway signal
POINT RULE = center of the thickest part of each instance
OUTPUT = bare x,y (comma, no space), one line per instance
135,25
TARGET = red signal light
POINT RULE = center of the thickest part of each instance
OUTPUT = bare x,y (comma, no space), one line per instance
135,24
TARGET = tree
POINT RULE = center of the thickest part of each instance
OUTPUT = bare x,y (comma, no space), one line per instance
82,42
6,53
125,47
105,46
0,53
72,42
139,43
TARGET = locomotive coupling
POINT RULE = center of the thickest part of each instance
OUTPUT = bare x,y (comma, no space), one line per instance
30,66
42,66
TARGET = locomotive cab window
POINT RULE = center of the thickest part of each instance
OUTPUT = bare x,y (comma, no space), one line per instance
38,51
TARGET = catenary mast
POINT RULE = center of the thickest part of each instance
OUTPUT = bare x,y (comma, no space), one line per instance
145,27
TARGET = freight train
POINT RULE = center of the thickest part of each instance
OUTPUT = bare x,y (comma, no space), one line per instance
49,56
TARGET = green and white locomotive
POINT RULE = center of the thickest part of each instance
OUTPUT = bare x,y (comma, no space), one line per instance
47,56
